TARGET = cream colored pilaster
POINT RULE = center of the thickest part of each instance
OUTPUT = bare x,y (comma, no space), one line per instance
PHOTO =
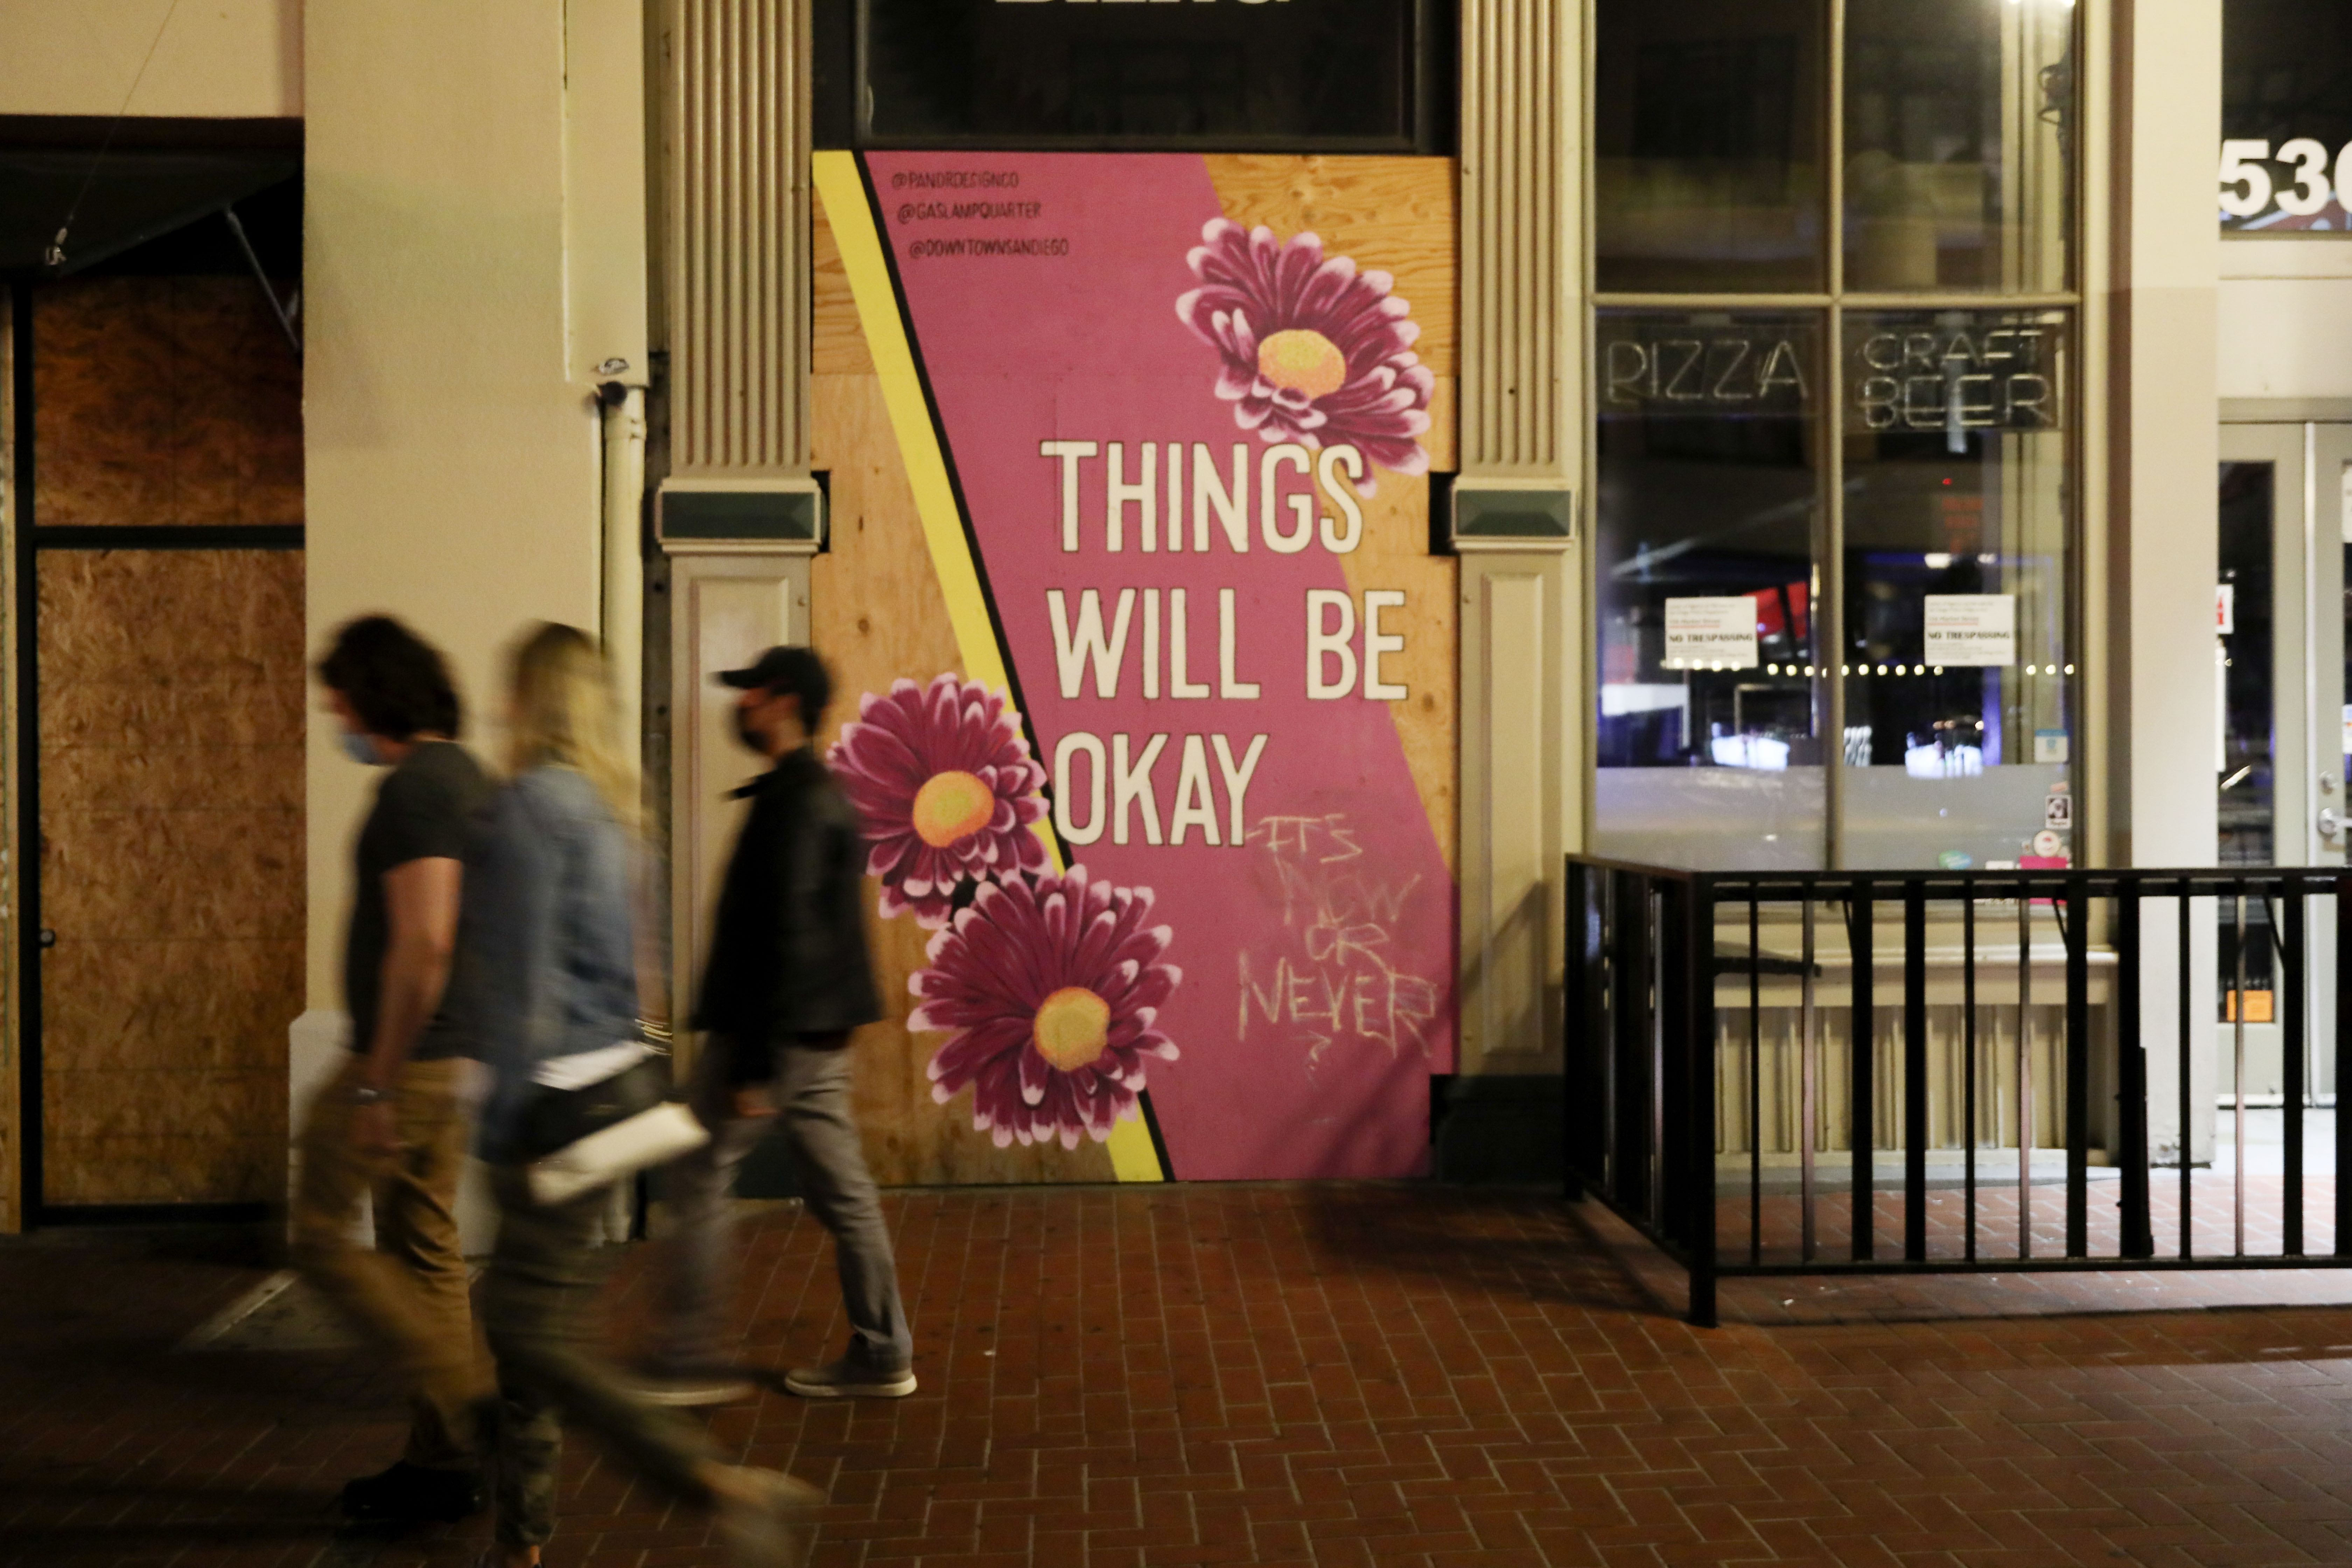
1522,309
2162,528
733,317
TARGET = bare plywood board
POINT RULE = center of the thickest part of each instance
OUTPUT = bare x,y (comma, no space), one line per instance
168,1169
837,345
12,1108
171,689
165,401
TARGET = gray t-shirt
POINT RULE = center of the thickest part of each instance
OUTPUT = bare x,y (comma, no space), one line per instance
424,811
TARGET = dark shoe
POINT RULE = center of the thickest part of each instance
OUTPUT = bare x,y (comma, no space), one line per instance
411,1494
849,1378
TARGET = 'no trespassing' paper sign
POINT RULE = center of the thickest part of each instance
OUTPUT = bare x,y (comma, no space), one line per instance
1711,633
1978,629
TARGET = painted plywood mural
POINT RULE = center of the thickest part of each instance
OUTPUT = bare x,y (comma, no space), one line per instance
1147,671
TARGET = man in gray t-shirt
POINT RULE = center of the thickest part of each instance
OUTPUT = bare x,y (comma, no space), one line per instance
391,1129
424,811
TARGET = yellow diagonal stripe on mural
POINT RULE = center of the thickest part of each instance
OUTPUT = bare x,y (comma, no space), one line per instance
839,186
845,208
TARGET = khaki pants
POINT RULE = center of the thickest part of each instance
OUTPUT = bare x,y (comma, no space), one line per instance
409,1293
536,1302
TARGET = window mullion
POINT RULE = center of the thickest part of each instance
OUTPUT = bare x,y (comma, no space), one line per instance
1829,553
1833,152
1830,556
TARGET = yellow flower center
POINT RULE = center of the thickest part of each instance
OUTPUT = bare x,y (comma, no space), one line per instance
952,807
1303,362
1073,1028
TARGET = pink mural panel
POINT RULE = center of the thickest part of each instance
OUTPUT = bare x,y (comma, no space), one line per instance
1195,737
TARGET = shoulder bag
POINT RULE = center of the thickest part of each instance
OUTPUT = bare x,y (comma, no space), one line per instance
572,1141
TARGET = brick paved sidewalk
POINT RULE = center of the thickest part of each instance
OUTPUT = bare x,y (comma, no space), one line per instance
1277,1376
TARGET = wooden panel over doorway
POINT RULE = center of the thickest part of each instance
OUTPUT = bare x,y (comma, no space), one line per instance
165,401
166,699
171,692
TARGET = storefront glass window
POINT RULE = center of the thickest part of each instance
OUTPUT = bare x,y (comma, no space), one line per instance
1709,731
2286,116
1707,140
1361,76
1957,124
1956,661
1833,594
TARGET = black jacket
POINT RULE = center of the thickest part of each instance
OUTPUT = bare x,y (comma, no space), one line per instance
788,955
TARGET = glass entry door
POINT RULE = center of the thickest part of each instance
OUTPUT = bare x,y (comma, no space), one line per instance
2280,731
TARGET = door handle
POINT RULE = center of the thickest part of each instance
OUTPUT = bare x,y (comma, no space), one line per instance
2330,823
49,937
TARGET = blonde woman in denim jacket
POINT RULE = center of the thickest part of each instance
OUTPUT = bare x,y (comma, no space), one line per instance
547,986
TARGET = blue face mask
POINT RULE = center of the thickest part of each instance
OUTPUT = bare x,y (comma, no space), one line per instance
362,748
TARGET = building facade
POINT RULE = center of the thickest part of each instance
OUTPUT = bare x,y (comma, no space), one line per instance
1275,476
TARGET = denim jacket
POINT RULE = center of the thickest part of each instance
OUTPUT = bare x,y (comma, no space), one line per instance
548,933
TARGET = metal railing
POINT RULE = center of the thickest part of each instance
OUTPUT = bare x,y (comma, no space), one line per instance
1948,1066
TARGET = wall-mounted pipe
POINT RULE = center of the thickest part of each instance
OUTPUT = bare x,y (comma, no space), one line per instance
621,620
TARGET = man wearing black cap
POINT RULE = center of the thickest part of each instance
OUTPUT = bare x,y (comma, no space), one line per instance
787,981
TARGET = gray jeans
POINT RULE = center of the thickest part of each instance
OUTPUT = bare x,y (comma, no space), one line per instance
537,1300
811,1091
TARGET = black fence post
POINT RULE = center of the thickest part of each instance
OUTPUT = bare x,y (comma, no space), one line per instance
1755,1081
2343,1069
1677,1086
2293,1044
1915,1070
2139,1238
1699,1083
1630,1022
1865,1075
2183,1065
1581,1156
1594,916
2078,1066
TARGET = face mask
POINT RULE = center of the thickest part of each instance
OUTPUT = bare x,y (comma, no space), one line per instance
361,749
751,738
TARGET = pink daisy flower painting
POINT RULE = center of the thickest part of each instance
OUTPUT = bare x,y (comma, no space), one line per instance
1313,351
1048,993
943,781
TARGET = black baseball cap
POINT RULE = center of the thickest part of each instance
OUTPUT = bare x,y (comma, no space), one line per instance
774,667
793,669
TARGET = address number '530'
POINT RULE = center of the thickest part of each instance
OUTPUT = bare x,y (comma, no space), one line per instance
2247,189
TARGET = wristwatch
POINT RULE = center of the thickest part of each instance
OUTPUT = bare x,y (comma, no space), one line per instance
368,1094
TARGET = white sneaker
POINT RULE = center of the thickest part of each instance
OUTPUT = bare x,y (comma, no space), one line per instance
687,1390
